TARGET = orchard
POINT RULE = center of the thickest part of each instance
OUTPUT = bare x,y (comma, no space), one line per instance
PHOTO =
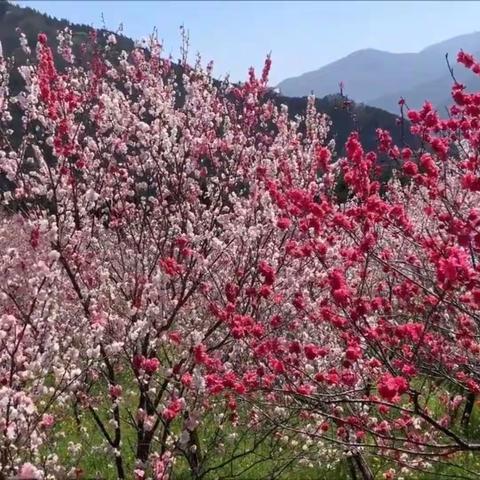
185,295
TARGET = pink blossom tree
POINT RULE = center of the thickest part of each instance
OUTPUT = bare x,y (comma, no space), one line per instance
132,199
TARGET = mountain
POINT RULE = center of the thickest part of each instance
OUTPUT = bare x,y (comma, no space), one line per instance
380,78
364,118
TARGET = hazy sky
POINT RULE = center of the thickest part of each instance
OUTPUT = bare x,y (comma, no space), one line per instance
302,36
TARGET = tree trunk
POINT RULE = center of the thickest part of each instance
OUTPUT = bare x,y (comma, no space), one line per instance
144,439
119,465
365,471
467,412
195,455
351,467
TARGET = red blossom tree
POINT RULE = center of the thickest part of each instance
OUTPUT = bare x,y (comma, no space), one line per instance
371,323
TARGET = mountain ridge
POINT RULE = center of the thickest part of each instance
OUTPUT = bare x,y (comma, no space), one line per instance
390,75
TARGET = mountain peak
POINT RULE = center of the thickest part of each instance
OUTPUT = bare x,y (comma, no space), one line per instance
368,51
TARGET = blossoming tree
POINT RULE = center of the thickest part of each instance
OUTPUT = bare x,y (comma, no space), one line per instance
130,197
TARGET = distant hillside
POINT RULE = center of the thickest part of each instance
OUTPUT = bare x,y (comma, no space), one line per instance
380,78
366,119
346,118
31,22
436,91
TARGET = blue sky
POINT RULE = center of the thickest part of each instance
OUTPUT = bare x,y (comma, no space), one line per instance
302,36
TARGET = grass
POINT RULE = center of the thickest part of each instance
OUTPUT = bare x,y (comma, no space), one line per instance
273,459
